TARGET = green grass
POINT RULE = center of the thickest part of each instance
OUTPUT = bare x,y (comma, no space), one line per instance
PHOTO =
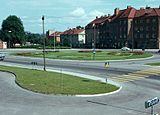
154,64
88,55
56,83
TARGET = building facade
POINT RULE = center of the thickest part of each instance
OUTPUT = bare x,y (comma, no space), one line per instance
74,38
3,45
128,27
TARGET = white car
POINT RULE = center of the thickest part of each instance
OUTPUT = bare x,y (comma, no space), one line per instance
125,49
2,56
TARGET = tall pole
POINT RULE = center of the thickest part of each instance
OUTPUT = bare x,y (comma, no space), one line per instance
54,40
44,45
94,42
132,37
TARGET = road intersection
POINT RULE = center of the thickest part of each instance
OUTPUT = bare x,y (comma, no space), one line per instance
140,82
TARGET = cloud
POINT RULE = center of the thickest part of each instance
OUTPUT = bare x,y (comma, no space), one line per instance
151,0
78,12
96,13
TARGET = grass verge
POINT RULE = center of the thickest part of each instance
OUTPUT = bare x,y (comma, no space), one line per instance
88,55
154,64
57,83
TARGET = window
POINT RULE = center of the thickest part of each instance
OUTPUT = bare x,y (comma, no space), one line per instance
124,36
136,21
120,29
120,36
141,35
153,35
147,28
136,28
136,36
147,35
148,20
154,28
141,21
141,28
153,20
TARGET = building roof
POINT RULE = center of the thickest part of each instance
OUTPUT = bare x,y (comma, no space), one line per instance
55,34
128,13
73,31
148,12
100,20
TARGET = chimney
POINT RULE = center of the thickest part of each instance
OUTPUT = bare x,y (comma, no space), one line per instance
96,17
141,8
116,11
147,7
109,15
128,7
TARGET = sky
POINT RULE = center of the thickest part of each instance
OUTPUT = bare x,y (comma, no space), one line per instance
63,14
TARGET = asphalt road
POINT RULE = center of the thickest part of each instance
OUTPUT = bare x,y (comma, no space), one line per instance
129,101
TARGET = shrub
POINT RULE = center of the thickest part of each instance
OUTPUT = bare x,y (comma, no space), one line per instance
86,51
137,52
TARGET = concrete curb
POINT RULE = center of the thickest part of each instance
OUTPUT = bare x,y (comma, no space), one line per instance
98,95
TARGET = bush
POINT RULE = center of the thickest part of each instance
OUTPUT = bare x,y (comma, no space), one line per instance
86,51
137,52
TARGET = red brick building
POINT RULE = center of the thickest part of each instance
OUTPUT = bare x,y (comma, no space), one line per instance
3,45
127,27
74,38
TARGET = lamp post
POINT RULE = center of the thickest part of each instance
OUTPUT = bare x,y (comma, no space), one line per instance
94,42
9,42
132,38
43,44
54,40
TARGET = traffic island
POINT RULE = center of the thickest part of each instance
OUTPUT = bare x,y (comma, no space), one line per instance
57,83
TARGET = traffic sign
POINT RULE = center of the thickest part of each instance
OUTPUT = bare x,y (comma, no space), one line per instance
106,65
151,102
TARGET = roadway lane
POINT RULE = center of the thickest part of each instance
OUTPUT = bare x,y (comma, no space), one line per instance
93,68
130,100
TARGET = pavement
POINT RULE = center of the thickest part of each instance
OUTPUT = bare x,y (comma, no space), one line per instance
128,101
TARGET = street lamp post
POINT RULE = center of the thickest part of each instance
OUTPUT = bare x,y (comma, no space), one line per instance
94,43
43,44
132,38
9,41
54,40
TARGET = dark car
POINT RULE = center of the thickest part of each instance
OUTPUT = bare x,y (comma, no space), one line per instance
2,56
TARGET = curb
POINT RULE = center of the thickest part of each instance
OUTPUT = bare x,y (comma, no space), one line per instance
78,75
98,95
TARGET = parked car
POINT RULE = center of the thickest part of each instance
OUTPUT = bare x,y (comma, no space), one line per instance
158,51
2,56
125,49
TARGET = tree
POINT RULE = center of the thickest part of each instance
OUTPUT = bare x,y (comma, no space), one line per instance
13,30
80,27
34,38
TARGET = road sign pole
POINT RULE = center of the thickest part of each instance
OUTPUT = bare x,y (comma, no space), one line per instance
106,65
152,110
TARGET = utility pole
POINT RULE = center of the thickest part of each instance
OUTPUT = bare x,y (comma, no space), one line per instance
44,43
94,42
9,39
54,39
132,37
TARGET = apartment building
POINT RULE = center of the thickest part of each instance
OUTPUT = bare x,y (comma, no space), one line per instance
128,27
146,27
74,38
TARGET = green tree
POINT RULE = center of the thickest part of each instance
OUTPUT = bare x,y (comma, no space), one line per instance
13,30
34,38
